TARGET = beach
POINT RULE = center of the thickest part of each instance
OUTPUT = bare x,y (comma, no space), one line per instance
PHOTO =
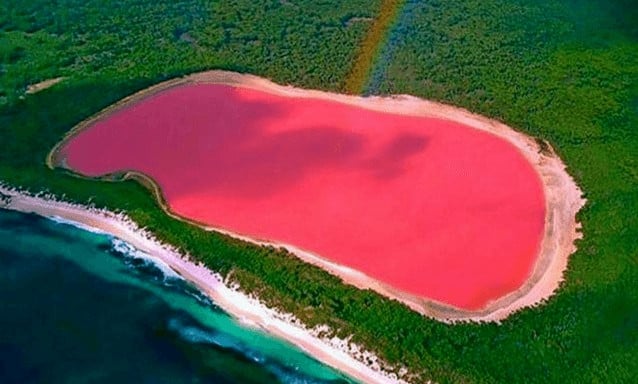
340,354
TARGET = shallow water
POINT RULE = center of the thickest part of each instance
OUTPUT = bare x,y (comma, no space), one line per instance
79,307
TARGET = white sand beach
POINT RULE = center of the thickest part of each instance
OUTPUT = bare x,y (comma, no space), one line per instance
338,353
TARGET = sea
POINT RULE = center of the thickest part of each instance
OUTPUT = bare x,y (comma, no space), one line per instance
79,306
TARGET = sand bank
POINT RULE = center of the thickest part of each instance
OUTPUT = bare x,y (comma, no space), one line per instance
562,195
338,353
37,87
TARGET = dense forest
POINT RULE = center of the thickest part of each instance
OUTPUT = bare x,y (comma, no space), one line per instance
372,45
564,71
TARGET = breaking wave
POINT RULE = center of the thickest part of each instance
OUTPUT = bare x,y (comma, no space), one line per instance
143,259
197,334
61,220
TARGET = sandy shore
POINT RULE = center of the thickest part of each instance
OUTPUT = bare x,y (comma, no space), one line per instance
338,353
37,87
562,195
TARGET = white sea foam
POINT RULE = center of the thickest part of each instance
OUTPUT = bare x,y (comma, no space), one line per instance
129,250
62,220
198,335
193,334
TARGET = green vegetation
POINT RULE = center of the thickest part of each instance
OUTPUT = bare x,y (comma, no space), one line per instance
306,42
566,72
562,71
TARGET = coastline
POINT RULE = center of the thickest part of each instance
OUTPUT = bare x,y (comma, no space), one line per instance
563,198
337,353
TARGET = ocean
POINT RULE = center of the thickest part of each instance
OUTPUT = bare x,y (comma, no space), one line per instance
83,307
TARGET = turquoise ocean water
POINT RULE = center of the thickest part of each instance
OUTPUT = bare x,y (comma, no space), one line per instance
83,307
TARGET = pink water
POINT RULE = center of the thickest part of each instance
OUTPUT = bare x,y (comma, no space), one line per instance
428,206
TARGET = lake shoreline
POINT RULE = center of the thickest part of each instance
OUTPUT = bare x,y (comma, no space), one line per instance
563,197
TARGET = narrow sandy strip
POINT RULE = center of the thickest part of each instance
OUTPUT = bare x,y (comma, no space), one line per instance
340,354
562,195
37,87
